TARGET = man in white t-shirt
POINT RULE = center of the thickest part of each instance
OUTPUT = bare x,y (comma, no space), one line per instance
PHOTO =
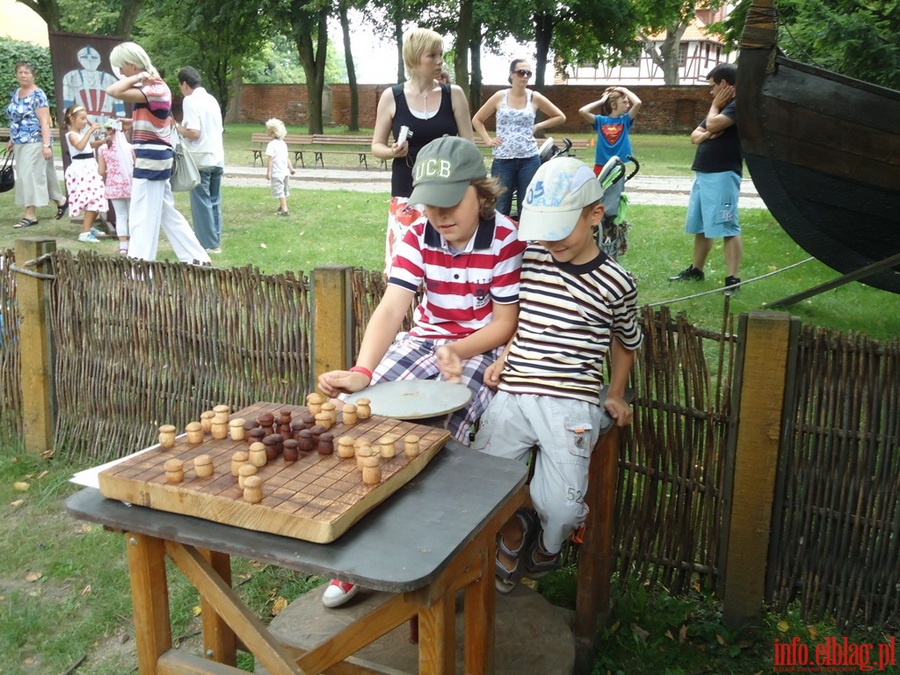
202,127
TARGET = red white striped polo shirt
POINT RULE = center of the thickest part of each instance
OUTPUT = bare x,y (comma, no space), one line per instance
460,286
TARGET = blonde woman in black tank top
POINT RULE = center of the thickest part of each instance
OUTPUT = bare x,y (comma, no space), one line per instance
430,109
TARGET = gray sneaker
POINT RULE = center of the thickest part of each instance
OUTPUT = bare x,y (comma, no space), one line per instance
690,274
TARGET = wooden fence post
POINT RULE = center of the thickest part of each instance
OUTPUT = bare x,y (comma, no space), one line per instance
32,295
332,319
761,375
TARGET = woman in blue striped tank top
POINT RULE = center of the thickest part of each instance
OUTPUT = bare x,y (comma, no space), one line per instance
515,151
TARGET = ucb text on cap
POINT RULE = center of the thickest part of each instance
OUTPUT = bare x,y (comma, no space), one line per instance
443,170
560,189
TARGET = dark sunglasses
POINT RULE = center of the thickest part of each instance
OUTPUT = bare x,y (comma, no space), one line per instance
524,73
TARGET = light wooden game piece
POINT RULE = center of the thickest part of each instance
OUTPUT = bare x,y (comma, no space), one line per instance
219,426
226,409
238,460
363,408
386,447
244,473
371,473
203,466
167,436
206,418
331,409
345,447
174,471
257,456
363,452
236,429
348,414
323,419
253,489
411,446
314,402
194,432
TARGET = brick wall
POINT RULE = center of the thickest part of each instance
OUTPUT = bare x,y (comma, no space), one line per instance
675,109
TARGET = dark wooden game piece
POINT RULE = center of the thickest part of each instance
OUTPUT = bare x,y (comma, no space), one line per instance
291,450
305,441
274,446
325,445
256,435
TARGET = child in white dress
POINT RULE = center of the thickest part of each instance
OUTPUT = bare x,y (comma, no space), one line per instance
83,182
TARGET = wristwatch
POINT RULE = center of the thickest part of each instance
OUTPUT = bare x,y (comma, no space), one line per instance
47,145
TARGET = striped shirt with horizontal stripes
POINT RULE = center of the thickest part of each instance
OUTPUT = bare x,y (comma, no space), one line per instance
151,132
568,316
460,286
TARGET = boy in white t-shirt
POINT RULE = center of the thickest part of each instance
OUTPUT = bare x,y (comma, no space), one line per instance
279,167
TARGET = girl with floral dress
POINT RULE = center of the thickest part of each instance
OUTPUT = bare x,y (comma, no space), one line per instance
115,160
83,182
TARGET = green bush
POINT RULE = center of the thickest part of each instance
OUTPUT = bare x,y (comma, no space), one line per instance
13,51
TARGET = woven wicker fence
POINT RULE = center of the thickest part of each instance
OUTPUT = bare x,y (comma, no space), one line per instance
10,371
836,530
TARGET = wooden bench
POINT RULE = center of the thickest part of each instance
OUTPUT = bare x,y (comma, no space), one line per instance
295,143
4,134
338,139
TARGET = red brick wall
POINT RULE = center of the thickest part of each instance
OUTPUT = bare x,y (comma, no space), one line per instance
675,109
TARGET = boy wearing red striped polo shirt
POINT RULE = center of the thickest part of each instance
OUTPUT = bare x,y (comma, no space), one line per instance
468,258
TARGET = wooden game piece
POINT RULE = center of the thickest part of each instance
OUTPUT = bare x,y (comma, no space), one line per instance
222,409
273,444
387,447
323,419
331,409
296,427
267,423
194,431
219,426
167,436
245,472
284,417
411,446
291,452
305,441
238,460
236,429
362,453
371,472
325,445
203,466
345,448
314,402
174,470
257,456
363,408
253,489
348,414
309,420
250,424
256,435
206,418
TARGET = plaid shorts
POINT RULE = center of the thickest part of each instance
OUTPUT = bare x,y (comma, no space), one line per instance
410,358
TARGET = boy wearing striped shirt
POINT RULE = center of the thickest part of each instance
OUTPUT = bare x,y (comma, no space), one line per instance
577,308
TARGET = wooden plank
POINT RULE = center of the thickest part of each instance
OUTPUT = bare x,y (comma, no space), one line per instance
32,303
219,642
150,597
437,637
332,317
174,662
316,498
766,340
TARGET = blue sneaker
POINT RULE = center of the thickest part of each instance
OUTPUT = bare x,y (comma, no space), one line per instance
88,238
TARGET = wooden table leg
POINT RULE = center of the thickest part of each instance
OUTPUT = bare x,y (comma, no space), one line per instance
219,643
437,636
480,612
150,596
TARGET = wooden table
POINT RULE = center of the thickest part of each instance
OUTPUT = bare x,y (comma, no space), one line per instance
432,538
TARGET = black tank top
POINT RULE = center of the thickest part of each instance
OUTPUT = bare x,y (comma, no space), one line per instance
422,133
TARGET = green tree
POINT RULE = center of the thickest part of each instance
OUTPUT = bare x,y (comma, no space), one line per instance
671,17
101,17
857,38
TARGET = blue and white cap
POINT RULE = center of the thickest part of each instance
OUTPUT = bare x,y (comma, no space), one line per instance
560,189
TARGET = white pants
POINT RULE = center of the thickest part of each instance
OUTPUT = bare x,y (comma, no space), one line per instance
152,206
122,208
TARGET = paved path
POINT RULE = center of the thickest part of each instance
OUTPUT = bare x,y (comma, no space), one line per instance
652,190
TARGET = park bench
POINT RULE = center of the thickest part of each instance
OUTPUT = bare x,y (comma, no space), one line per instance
295,143
362,150
4,134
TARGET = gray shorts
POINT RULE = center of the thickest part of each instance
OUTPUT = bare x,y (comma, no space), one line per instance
565,431
281,187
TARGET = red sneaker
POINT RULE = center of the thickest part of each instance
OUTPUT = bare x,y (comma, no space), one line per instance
338,592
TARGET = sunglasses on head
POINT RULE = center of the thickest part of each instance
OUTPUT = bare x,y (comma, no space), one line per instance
524,73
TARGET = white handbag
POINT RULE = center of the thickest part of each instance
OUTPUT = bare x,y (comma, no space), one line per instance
185,174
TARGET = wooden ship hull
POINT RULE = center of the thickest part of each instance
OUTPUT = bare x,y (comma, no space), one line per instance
824,154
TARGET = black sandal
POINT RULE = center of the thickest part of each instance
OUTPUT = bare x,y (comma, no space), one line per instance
506,579
25,222
61,209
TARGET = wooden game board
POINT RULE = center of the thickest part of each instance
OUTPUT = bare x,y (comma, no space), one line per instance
317,498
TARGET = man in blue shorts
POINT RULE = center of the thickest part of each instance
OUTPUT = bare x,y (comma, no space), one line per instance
712,208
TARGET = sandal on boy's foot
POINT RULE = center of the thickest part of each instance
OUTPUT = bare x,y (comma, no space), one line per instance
61,209
25,222
506,579
534,568
338,592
